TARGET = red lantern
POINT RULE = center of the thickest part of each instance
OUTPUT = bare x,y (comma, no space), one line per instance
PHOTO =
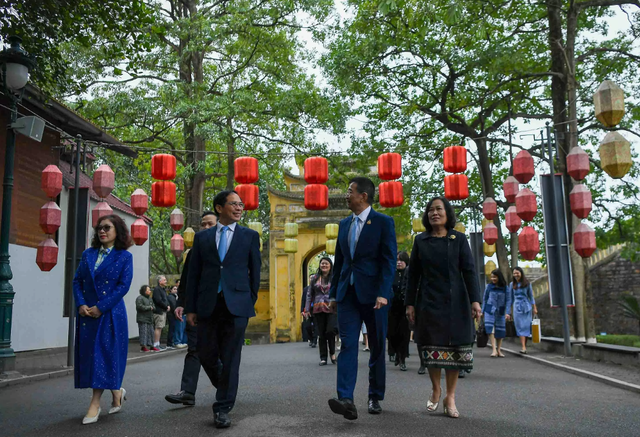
176,219
163,193
139,232
246,170
526,205
101,209
139,201
51,181
163,167
512,220
578,163
250,196
316,197
103,181
489,208
316,170
584,240
389,166
391,194
456,187
490,233
455,159
580,199
529,243
523,169
177,245
50,217
47,255
510,186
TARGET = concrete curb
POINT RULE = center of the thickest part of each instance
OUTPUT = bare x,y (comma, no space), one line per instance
65,372
584,373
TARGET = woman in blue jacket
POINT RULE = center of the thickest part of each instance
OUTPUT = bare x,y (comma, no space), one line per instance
521,294
494,307
102,338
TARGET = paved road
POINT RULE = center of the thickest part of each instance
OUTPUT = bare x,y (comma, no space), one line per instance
283,393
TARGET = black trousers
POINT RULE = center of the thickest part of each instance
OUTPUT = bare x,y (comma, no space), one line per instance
220,337
398,333
191,369
309,330
326,327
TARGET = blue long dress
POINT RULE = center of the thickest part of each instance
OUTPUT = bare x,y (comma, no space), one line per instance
523,303
102,343
494,307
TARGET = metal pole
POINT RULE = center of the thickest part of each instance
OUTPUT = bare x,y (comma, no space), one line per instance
556,228
7,355
74,255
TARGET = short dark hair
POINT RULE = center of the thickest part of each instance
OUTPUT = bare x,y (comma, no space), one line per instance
221,199
403,256
143,289
207,212
365,185
523,279
448,209
501,281
123,239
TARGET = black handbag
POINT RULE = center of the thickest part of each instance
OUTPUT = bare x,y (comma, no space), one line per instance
511,329
481,335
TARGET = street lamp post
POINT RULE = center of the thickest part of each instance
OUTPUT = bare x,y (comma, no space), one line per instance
15,65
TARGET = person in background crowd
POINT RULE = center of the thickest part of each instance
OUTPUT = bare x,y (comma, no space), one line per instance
144,318
399,332
520,292
324,317
308,325
179,334
101,281
442,270
494,306
161,304
191,369
172,299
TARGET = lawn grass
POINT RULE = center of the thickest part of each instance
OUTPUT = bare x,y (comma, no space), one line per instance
620,340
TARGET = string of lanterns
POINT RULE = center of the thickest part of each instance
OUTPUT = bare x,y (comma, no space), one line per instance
50,218
390,168
456,186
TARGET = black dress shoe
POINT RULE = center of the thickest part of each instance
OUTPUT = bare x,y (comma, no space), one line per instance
344,407
392,358
403,367
181,397
374,406
421,370
221,420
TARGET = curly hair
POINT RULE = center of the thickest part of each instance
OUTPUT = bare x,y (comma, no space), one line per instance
123,239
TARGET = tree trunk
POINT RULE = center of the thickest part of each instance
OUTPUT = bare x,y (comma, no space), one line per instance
231,154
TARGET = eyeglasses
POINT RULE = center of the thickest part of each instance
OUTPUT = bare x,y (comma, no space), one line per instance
105,228
234,204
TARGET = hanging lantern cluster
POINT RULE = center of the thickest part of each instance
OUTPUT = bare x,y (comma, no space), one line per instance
391,192
246,174
417,226
139,229
526,204
488,249
163,192
176,220
188,236
523,169
578,166
615,150
456,186
584,238
529,243
290,235
510,187
50,218
316,173
103,182
331,232
512,219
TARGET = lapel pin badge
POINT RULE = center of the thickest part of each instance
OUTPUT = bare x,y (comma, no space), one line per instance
368,222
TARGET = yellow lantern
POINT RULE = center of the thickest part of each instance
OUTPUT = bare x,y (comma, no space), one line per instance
331,247
291,230
460,227
331,231
256,226
609,103
417,225
489,249
188,236
290,245
485,222
615,155
261,245
488,268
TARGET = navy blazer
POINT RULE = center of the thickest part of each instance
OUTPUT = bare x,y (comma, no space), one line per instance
374,261
239,273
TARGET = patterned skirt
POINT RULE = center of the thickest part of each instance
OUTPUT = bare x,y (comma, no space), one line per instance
448,357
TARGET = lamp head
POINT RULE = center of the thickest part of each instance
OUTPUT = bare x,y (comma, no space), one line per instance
15,64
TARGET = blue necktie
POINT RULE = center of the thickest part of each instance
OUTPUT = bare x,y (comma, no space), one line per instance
353,237
222,250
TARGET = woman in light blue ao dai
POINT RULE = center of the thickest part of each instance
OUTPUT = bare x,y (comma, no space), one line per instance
521,294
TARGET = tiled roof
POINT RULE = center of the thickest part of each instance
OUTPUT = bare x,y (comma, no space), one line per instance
68,180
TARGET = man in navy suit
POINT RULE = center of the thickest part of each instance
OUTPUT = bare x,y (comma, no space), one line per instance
222,289
361,288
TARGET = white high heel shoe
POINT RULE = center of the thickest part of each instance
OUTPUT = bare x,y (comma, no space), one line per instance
123,397
86,420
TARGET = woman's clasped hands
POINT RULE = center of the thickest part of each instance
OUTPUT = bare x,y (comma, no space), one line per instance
85,311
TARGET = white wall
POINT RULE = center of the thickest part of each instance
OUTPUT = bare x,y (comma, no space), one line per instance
38,321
